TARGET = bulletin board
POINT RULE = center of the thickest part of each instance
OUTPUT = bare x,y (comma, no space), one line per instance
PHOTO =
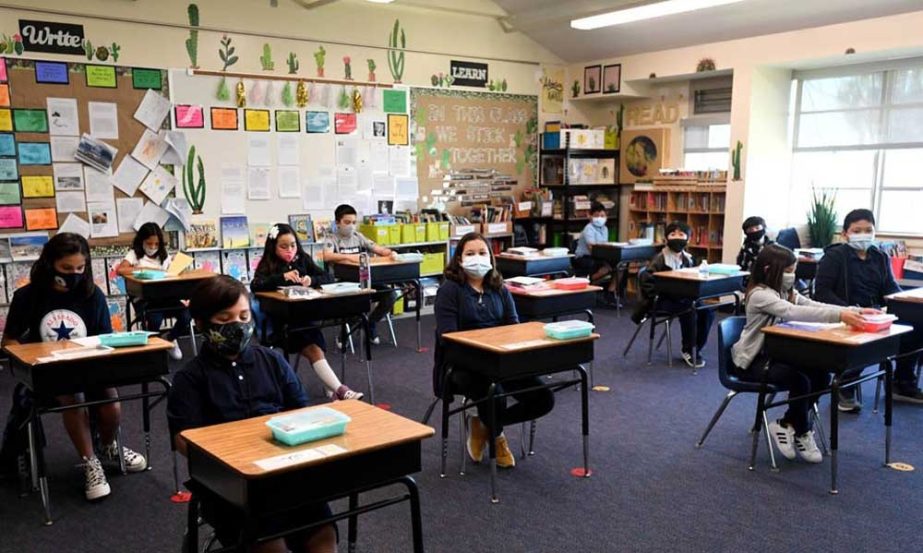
26,92
455,129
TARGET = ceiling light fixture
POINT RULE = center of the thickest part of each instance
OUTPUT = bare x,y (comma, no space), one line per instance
647,11
380,1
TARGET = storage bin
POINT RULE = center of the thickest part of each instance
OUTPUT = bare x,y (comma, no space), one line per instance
376,233
308,426
568,330
877,323
124,339
408,233
149,274
394,234
433,263
574,283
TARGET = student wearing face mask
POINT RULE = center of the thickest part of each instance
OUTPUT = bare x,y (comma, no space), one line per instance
771,299
755,239
285,263
473,296
595,232
345,245
61,302
672,257
233,379
857,273
149,251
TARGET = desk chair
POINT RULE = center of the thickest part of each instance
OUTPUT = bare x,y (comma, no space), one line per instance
603,282
141,320
655,317
729,331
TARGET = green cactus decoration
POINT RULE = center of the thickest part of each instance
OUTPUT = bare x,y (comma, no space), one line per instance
343,102
115,50
88,49
503,85
192,43
288,99
226,52
372,67
397,41
292,63
319,56
6,44
575,89
195,191
266,58
17,44
735,159
224,93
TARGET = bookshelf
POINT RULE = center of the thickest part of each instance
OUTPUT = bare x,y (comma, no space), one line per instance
701,207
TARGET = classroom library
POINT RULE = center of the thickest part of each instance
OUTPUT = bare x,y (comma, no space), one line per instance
460,276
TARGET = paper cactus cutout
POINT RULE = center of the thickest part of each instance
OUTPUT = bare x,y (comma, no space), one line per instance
266,59
735,159
343,102
192,43
115,51
88,49
194,189
347,68
11,44
288,98
292,63
372,67
226,52
269,94
575,89
224,93
319,57
397,41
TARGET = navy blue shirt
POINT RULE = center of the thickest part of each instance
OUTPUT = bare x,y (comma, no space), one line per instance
212,389
50,316
845,279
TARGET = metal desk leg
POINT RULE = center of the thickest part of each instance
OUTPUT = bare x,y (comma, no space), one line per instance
889,375
446,399
834,432
195,348
419,287
585,415
192,526
367,345
146,422
492,440
416,520
352,529
38,467
695,338
344,331
590,319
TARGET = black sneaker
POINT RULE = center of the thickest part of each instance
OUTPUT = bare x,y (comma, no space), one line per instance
847,402
907,394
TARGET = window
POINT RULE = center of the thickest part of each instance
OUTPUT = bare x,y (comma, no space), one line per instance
706,146
859,132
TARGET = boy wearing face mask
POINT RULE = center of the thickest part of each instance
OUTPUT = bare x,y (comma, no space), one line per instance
674,256
595,232
755,239
857,273
232,379
345,245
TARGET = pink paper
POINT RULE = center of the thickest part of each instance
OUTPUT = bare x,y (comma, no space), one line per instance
11,217
189,117
3,70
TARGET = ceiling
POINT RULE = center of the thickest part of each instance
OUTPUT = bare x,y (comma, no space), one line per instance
548,23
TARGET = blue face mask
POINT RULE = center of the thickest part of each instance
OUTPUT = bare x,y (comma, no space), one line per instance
861,242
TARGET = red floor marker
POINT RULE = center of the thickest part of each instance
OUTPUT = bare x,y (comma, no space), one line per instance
384,406
181,497
579,472
422,350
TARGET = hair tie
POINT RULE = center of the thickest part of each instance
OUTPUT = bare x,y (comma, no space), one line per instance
273,232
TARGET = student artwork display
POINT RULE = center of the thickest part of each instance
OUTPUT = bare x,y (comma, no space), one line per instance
34,153
41,219
288,120
7,145
317,121
62,116
397,41
8,169
234,265
398,130
257,120
9,193
224,119
344,123
11,217
6,120
151,79
101,76
37,186
5,95
189,117
30,120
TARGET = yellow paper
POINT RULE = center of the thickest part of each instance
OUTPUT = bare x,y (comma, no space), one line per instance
398,132
37,186
179,264
6,120
256,119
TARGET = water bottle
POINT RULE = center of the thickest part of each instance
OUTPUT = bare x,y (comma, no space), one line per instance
703,269
365,272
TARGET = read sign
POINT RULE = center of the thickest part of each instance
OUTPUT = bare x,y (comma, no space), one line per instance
48,36
466,73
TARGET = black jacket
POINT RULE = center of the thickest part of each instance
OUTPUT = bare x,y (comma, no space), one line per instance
832,283
264,281
646,281
748,252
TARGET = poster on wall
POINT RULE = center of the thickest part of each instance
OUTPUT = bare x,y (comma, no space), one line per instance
643,153
552,82
51,37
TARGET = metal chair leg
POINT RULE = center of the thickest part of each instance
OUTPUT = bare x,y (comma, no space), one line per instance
669,324
819,429
716,416
429,411
195,348
877,394
463,441
121,452
532,437
522,440
650,340
391,329
632,341
349,339
757,425
772,453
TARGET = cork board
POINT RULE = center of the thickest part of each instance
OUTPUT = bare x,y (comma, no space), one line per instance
454,129
25,92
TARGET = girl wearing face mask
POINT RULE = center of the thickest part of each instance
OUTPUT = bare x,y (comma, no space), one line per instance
473,296
61,302
285,263
149,251
233,379
771,299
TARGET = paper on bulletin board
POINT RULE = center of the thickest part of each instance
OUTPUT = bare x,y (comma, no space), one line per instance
257,120
394,101
378,154
37,186
10,194
68,176
5,95
347,182
128,210
151,213
45,218
76,225
98,187
312,195
6,120
383,186
62,117
259,151
175,153
8,169
129,175
346,151
11,217
71,202
258,183
399,161
406,188
63,148
150,148
103,220
233,189
289,177
287,149
158,184
152,110
104,119
398,130
7,145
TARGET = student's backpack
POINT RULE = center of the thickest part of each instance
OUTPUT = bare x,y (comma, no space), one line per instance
15,434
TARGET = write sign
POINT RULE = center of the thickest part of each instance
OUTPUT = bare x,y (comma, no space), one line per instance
468,73
50,36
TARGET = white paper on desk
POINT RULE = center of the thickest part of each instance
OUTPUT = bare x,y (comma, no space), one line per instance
399,161
180,209
129,175
150,148
287,149
63,148
259,153
176,148
75,224
158,184
152,110
233,188
346,151
383,186
312,194
104,119
406,188
68,176
289,178
70,201
379,157
151,213
258,183
128,210
98,187
103,219
88,342
62,117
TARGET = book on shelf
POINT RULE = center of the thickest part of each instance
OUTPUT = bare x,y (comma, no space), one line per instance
303,226
234,265
254,255
27,246
18,274
202,234
100,277
258,233
208,261
323,228
234,232
116,282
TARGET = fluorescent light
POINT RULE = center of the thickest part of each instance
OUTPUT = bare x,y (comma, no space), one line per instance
380,1
648,11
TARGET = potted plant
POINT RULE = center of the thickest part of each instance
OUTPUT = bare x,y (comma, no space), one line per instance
822,219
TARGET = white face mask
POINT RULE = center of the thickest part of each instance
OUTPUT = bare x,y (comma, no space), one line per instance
346,230
788,281
476,265
861,242
599,221
151,252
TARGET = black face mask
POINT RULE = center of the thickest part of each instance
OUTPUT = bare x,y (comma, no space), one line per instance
68,280
756,235
229,339
677,244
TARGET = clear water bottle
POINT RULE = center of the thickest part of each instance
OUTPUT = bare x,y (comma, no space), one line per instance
365,272
703,269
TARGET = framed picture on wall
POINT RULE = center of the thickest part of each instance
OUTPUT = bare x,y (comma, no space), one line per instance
612,78
592,79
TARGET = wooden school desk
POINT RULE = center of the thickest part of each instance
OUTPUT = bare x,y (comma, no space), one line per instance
49,378
509,352
511,265
387,271
907,306
619,256
240,464
687,283
323,311
141,292
837,350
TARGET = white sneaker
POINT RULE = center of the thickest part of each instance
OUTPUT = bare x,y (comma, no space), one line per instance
134,461
784,437
807,448
699,362
376,341
96,485
176,353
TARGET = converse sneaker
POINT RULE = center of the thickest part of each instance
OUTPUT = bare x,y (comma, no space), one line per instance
134,461
176,353
96,485
848,401
699,362
807,447
477,439
784,437
344,392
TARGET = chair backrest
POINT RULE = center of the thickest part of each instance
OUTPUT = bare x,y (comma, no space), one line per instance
788,237
729,331
573,245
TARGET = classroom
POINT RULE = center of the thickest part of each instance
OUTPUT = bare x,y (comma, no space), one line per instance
460,275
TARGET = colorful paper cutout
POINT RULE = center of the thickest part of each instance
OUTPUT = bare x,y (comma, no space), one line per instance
288,120
6,120
9,193
146,78
34,153
51,72
398,130
5,95
189,117
224,119
37,186
3,77
11,217
317,121
101,76
394,101
45,218
256,120
8,169
344,123
30,120
7,145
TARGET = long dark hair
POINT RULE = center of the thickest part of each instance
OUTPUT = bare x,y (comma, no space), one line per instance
270,263
63,245
146,231
454,270
769,266
214,295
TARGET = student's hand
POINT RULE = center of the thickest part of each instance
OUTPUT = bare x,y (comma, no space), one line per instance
306,281
292,276
870,311
852,318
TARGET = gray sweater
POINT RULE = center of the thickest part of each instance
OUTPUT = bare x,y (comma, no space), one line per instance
766,307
